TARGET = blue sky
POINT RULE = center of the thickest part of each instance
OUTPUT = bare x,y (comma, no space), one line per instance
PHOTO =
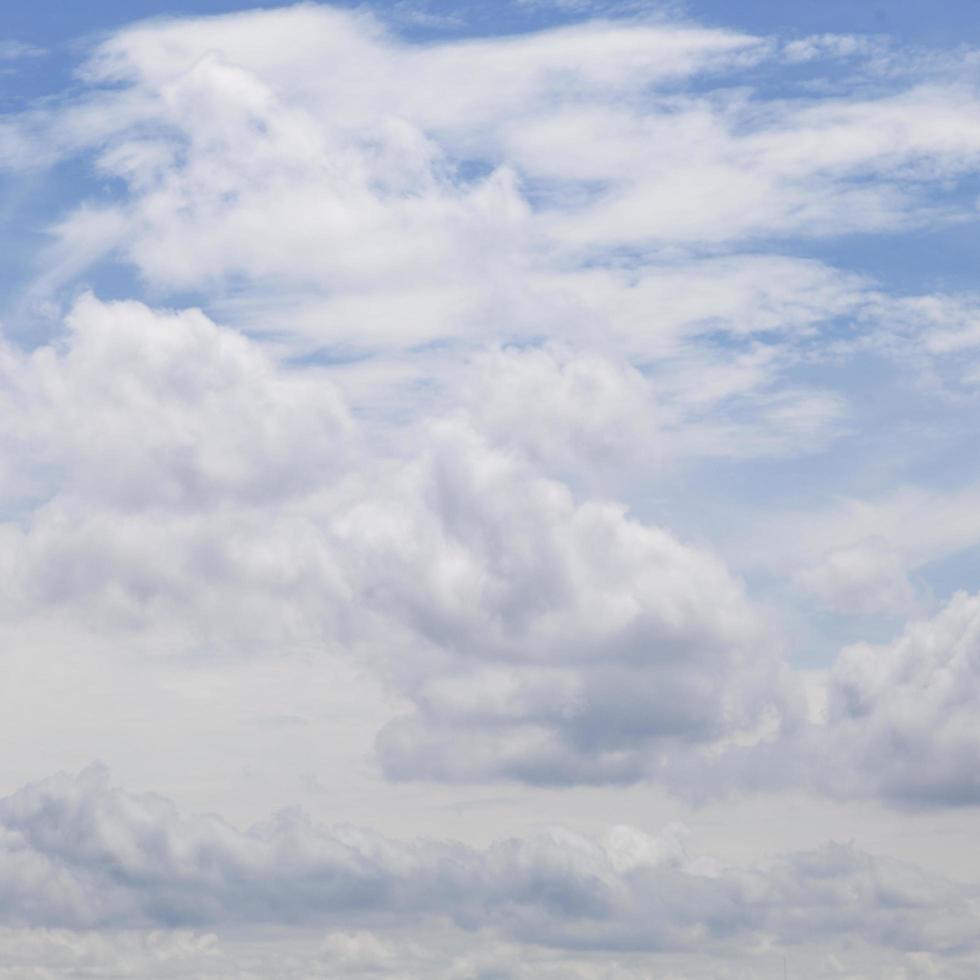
530,450
949,23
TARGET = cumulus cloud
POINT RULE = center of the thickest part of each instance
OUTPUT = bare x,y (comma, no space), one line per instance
139,444
78,852
140,409
902,716
188,484
583,645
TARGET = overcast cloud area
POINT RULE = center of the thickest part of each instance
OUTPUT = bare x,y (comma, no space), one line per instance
488,500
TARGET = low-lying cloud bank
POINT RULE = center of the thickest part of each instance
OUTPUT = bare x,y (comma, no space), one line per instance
78,853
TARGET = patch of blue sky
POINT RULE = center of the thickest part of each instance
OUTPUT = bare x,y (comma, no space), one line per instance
55,24
958,572
334,355
32,203
949,23
819,635
940,257
892,433
939,252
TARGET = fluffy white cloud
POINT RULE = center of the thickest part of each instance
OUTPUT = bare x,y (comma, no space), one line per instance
189,486
568,642
902,719
147,448
139,409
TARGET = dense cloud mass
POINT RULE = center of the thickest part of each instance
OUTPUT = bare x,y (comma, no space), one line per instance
539,637
465,432
905,714
78,852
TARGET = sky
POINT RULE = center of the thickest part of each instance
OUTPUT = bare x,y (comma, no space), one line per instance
490,491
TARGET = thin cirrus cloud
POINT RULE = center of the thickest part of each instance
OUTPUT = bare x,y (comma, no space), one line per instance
352,182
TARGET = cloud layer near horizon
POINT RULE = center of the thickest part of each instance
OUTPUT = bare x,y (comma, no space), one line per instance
77,852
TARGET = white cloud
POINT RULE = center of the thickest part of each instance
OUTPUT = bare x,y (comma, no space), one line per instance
864,578
832,46
484,324
191,487
902,722
15,50
869,547
445,954
78,852
469,188
136,409
654,648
